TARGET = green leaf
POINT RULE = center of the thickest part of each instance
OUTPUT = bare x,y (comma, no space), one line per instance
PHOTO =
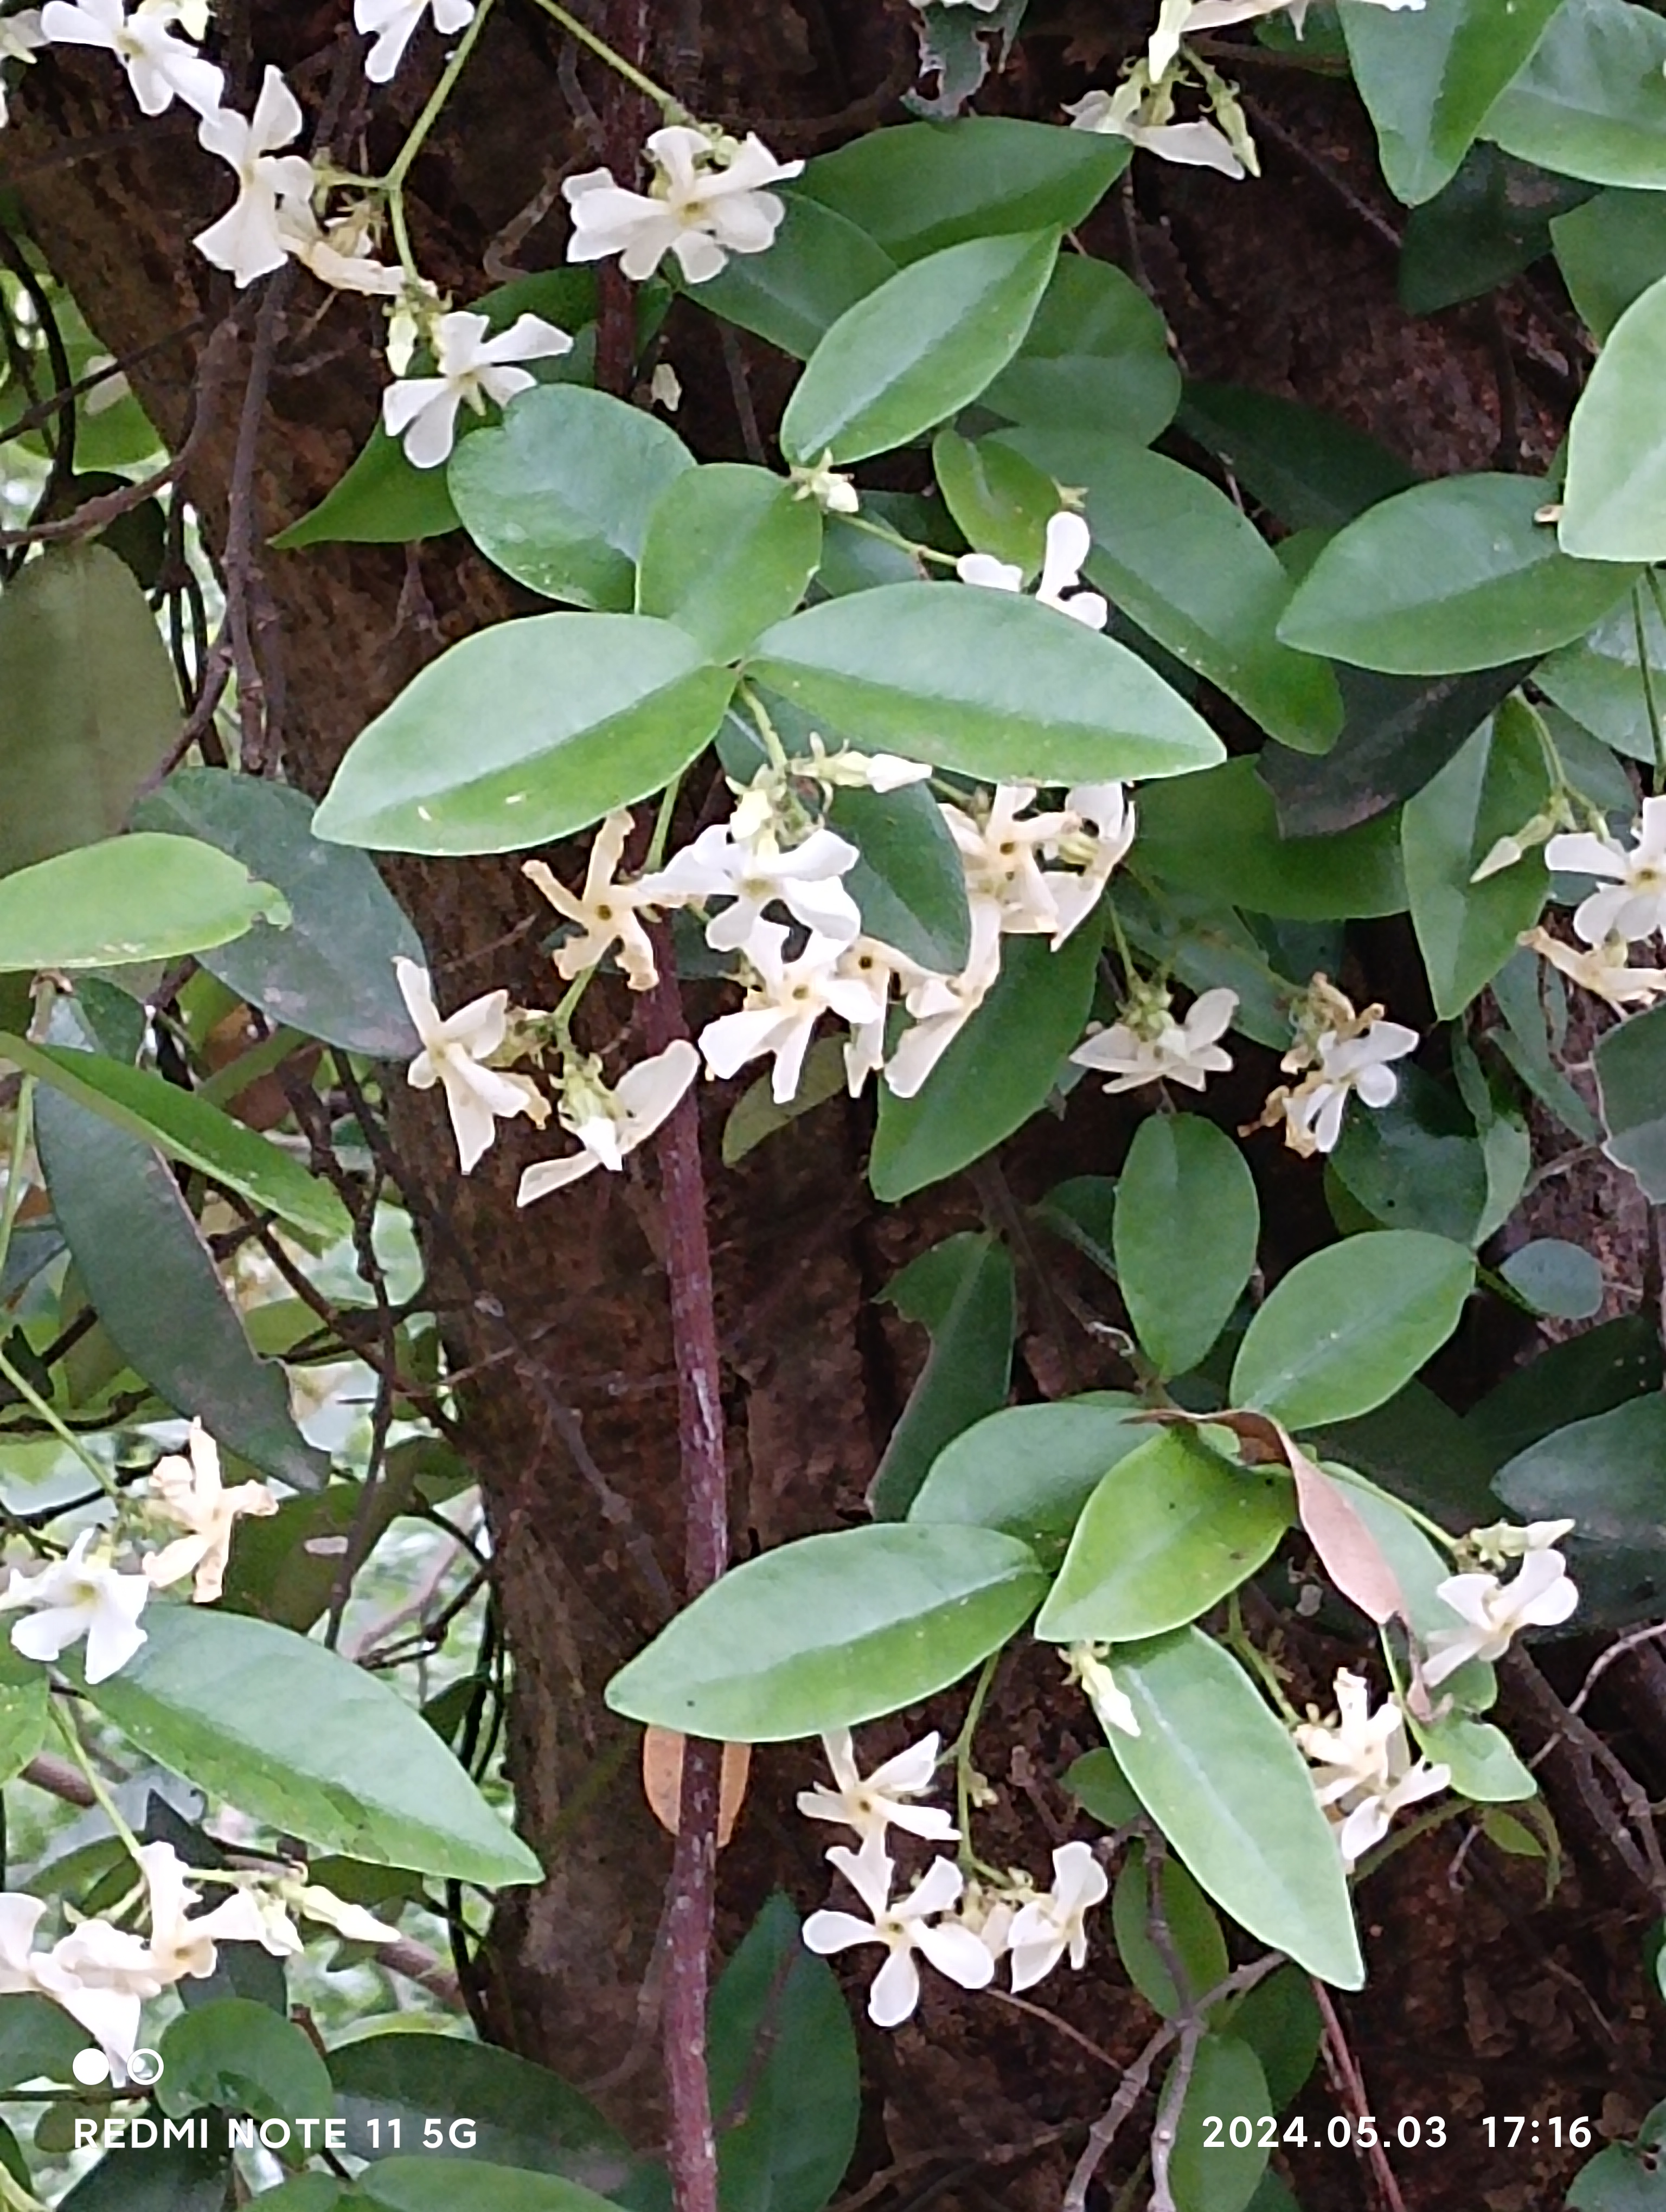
1210,2174
754,1116
830,1631
1598,681
88,707
1030,1469
1604,1471
559,493
589,713
1311,470
1168,1533
990,683
997,1072
1095,358
1345,1328
298,1738
1610,250
1584,1374
142,1262
522,2115
1616,451
1483,1762
1447,577
175,2179
962,1291
1187,1225
1222,1779
1420,1569
1591,101
921,187
1280,2022
241,2057
1555,1277
927,342
1218,834
1416,1163
1494,785
729,550
1494,219
330,974
188,1128
819,264
307,2192
1001,502
1102,1790
432,2184
1430,79
909,884
1172,552
1631,1082
1194,1942
142,897
25,1714
37,2041
783,2053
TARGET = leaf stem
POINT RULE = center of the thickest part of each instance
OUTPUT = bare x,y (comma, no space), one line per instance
394,184
961,1753
890,537
673,109
95,1783
43,1411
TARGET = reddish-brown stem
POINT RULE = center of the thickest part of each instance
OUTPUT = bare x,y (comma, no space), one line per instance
706,1550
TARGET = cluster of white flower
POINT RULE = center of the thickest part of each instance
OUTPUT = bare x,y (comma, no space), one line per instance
962,1929
101,1974
1629,909
1492,1614
1339,1054
1364,1771
84,1595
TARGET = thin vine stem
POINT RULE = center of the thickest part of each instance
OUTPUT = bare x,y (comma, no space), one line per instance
1645,670
43,1411
394,184
671,108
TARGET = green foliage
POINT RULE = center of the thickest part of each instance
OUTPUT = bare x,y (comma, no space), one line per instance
820,264
1616,457
1591,101
962,1291
1095,358
728,551
1208,2174
1630,1059
1185,1228
241,2057
1194,1940
143,897
1029,1470
1218,834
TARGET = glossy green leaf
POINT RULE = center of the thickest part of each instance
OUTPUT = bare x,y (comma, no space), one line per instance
729,549
1346,1328
25,1716
1606,1471
963,1292
523,2115
997,1072
1210,2173
142,897
559,493
820,264
1030,1469
1555,1277
830,1631
431,2183
1280,2022
89,706
990,683
1095,358
1584,1374
1194,1942
1465,930
909,884
330,974
1430,79
921,187
1001,502
783,2053
1482,1761
142,1260
1102,1790
307,2192
927,342
1492,221
241,2057
1417,1162
1312,470
1610,250
1599,679
38,2042
1447,577
1221,1778
1627,2177
1217,835
1187,1224
187,1128
1177,557
1631,1081
299,1738
1591,101
589,711
1616,451
1168,1533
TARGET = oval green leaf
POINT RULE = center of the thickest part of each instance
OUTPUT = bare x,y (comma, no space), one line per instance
1095,358
295,1736
1196,1944
990,683
1223,1780
1209,2174
819,264
1217,835
1591,101
1346,1327
433,2184
143,897
1168,1533
589,713
1001,502
1450,577
926,343
1029,1470
1616,498
728,551
831,1631
241,2056
1184,1236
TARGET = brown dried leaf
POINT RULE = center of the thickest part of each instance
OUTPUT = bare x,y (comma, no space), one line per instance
662,1780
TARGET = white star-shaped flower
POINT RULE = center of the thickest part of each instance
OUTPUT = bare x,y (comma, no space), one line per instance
872,1804
1067,545
159,67
1633,905
247,240
756,875
606,911
942,1005
1150,1046
394,22
1538,1595
908,1927
188,1490
1041,1931
79,1595
608,1124
698,209
1313,1110
179,1946
1098,848
884,969
454,1054
783,1006
1127,113
470,369
1602,969
1000,851
1364,1770
341,254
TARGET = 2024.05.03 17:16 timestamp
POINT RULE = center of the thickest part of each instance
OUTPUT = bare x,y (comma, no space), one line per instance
1341,2132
